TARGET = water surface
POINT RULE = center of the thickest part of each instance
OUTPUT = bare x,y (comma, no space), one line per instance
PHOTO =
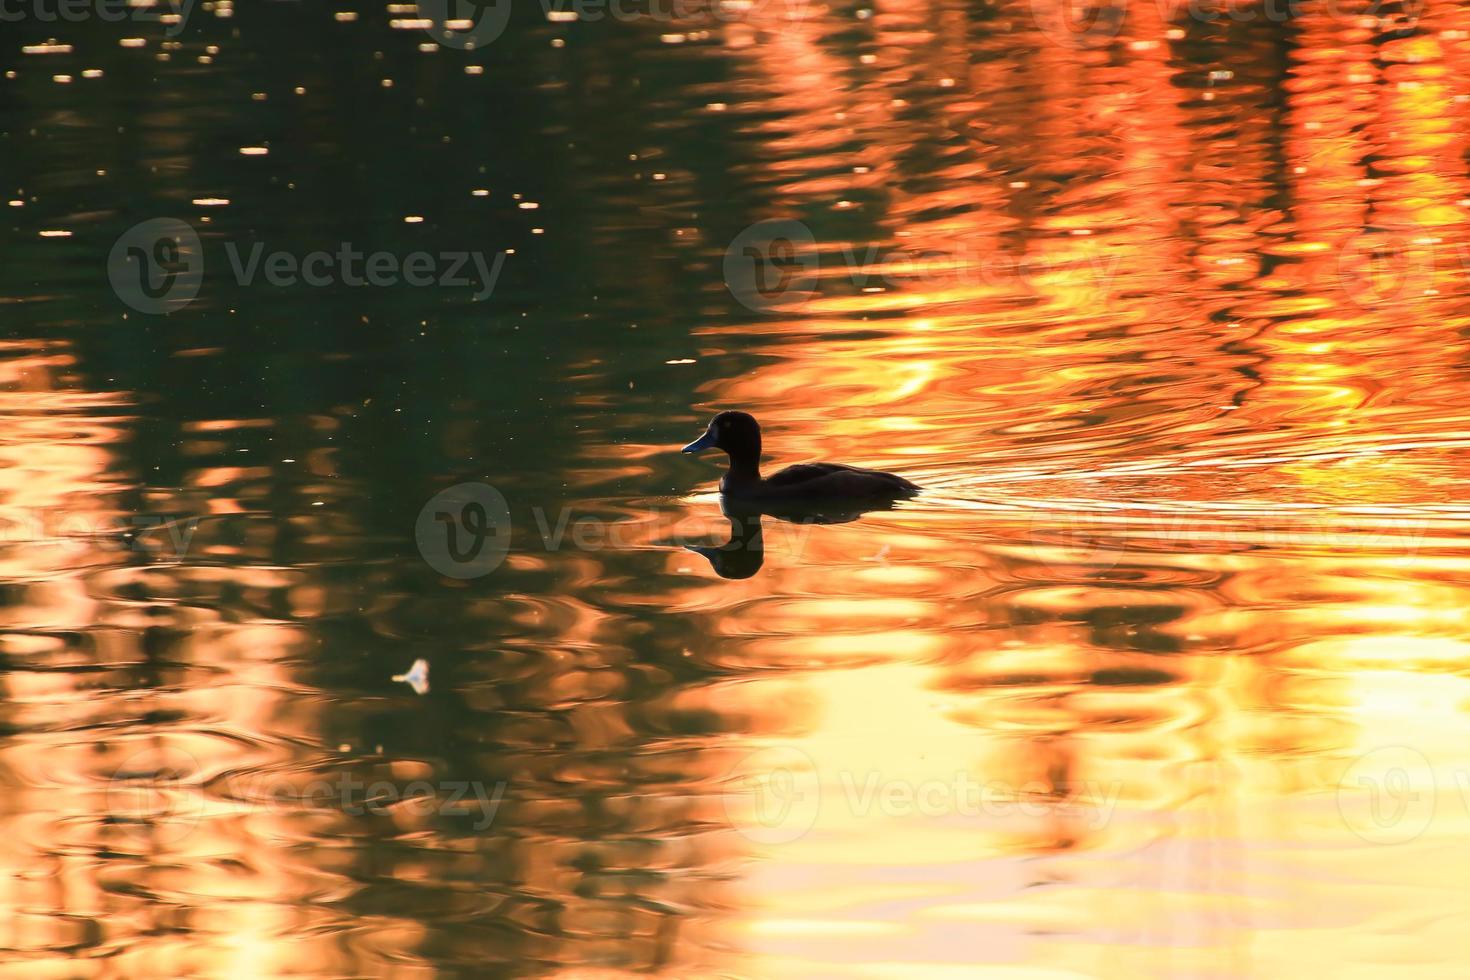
1164,676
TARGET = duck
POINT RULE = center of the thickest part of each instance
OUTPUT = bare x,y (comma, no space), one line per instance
739,435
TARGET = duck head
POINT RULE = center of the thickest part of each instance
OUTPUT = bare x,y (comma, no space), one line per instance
737,433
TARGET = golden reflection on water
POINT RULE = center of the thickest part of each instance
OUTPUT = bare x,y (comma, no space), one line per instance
1164,676
1182,613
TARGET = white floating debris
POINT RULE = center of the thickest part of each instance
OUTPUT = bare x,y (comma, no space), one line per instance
417,676
413,219
254,151
681,360
55,233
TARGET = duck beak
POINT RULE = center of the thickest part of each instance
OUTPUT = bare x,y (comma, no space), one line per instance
702,443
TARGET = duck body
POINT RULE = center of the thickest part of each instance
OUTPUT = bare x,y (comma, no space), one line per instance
739,435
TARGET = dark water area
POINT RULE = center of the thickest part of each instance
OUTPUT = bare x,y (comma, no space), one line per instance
1160,677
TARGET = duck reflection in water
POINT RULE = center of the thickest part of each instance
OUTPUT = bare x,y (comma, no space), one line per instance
743,554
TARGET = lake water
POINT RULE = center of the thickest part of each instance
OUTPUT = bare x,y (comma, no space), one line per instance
1165,675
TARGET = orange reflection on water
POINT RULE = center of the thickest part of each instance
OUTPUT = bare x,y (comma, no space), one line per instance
1160,677
1186,581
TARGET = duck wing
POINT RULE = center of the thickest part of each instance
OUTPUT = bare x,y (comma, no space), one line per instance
839,480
